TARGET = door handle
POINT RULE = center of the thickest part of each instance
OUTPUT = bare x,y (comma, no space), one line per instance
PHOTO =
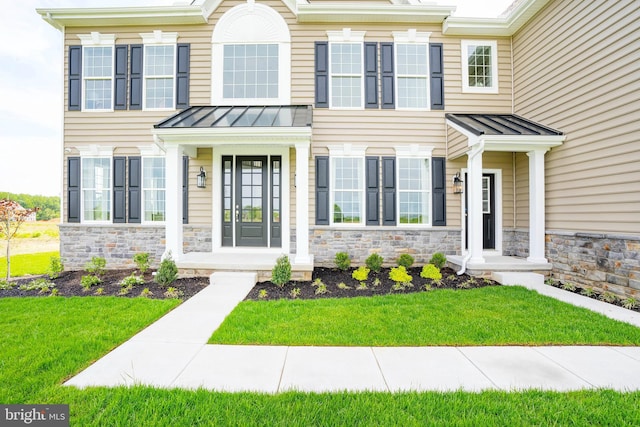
237,213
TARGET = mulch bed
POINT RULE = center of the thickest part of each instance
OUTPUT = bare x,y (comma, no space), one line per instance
68,284
593,293
331,277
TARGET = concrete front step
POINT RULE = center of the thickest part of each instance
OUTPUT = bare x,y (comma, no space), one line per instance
528,280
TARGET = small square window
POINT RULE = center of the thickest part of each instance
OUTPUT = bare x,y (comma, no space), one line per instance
479,66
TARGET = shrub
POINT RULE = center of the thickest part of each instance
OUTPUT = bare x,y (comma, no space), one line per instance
263,294
41,285
96,266
405,260
374,262
321,289
438,259
125,290
400,276
168,271
343,285
342,260
99,291
430,271
6,286
281,273
173,293
142,261
146,293
55,267
132,280
630,303
88,281
361,274
295,293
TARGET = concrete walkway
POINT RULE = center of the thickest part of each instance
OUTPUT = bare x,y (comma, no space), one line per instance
172,353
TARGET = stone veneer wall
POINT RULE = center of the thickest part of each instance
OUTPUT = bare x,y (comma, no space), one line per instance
515,242
117,243
359,243
605,261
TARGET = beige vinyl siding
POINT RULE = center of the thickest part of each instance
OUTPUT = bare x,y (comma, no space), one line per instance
457,143
576,69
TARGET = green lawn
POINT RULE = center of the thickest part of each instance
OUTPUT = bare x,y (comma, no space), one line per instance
27,264
46,340
494,315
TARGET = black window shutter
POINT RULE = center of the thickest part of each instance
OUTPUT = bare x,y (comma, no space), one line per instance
439,191
135,76
322,190
373,190
437,76
389,191
388,75
185,189
119,189
371,74
73,189
182,75
75,78
135,190
322,74
120,83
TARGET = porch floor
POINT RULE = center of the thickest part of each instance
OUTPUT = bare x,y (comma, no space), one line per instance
497,263
260,262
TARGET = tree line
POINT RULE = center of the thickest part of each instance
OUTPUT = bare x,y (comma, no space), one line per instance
49,205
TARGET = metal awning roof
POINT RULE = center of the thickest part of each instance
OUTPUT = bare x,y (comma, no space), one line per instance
500,124
240,117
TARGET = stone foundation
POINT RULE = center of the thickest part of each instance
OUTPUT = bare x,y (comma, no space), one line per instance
359,243
607,262
515,242
118,243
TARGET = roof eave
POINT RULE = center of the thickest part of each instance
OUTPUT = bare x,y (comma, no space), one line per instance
427,14
502,26
125,16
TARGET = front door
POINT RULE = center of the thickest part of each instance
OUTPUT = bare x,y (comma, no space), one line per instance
251,201
488,212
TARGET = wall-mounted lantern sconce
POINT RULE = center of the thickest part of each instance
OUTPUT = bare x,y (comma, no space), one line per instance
202,178
457,184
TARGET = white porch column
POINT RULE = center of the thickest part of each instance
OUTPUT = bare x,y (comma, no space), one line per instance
536,206
173,214
474,204
302,203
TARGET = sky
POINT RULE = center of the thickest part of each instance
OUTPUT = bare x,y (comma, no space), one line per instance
31,88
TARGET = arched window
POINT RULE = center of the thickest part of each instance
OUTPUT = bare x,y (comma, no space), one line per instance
251,57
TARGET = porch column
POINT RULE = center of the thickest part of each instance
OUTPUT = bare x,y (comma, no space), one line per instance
474,207
302,203
173,207
536,206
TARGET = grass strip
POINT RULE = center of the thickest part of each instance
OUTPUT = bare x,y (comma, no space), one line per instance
27,264
484,316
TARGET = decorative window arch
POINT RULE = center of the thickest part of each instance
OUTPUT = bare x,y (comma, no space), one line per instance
251,57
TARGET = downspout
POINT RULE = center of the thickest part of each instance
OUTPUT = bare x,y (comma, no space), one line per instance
479,149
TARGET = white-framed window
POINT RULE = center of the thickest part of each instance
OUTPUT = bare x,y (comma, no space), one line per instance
346,65
98,61
159,76
414,190
159,70
480,66
347,190
96,189
153,189
251,67
250,71
486,195
412,69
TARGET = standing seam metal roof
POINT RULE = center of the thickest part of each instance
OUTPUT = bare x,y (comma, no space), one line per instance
500,124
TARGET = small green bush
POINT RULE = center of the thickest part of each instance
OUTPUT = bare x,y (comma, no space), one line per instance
146,293
430,271
142,261
41,285
132,280
342,260
55,267
439,260
361,274
96,266
374,262
89,280
6,286
173,293
168,271
400,276
281,272
405,260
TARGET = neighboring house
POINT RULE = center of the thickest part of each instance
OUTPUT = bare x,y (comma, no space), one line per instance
326,126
